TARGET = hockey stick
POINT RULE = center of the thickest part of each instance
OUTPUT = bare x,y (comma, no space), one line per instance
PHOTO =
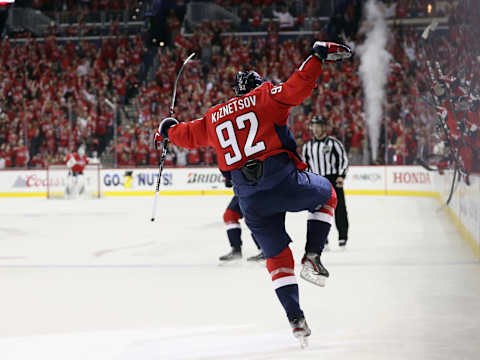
426,164
450,144
452,188
160,170
458,166
426,35
423,164
176,81
165,141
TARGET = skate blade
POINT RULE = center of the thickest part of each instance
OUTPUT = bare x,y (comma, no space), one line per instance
230,263
303,340
314,279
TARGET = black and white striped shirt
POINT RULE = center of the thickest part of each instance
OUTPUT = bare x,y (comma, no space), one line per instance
326,156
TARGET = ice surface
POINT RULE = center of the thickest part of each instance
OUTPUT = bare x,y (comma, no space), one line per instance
96,280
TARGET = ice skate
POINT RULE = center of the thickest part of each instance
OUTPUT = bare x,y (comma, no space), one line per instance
257,258
232,257
301,331
313,271
342,244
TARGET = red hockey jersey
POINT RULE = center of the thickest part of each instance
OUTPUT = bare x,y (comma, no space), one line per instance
251,126
81,162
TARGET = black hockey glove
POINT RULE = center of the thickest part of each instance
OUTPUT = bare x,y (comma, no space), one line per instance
330,51
162,132
165,126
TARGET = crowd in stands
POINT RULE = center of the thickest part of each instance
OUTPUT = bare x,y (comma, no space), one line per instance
53,95
73,5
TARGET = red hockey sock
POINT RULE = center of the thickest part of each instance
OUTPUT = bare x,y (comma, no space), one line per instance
281,268
234,231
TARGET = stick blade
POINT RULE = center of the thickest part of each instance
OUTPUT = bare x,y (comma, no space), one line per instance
189,58
431,27
426,33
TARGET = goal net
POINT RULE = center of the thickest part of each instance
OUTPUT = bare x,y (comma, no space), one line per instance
62,184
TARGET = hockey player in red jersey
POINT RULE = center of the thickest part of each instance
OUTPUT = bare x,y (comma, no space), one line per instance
76,163
257,151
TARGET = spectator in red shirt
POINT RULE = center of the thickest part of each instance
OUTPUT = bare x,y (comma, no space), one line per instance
153,157
193,157
208,156
21,155
141,153
6,154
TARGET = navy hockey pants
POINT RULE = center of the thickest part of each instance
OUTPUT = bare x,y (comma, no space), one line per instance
265,210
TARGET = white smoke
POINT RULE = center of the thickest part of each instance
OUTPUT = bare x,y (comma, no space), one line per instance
374,64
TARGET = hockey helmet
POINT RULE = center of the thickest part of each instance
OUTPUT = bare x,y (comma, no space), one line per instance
246,81
81,150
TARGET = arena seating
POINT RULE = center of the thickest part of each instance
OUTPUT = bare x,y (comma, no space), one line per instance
53,94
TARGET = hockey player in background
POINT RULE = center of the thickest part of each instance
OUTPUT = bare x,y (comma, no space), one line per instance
231,218
76,163
257,151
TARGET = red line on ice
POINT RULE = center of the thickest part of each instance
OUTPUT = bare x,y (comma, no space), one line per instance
106,251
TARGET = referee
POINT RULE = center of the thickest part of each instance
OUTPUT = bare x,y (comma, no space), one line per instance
326,156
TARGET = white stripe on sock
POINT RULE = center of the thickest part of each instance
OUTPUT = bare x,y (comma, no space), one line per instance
321,217
233,226
280,270
284,281
328,207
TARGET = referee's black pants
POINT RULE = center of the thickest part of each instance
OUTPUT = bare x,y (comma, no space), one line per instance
341,216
